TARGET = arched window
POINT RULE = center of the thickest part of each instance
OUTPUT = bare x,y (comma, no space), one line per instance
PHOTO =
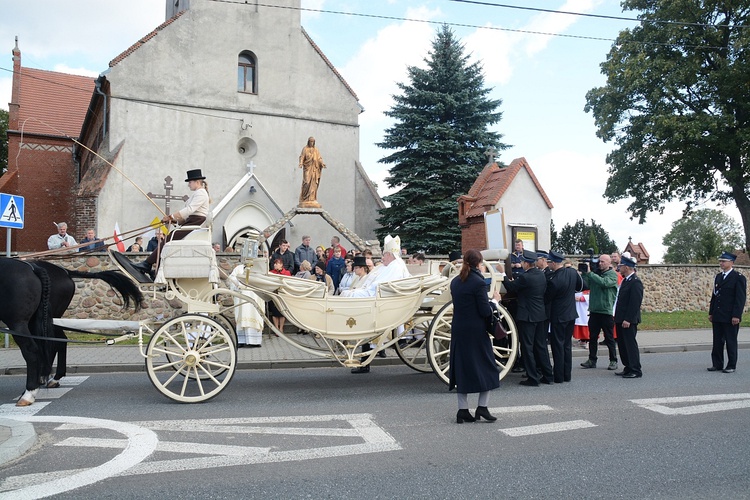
247,73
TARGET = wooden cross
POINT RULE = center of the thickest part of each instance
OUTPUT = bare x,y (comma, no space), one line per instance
490,154
168,187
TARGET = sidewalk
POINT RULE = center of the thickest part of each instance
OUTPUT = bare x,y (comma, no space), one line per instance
17,437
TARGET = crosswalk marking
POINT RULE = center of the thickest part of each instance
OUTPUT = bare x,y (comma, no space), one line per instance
546,428
710,403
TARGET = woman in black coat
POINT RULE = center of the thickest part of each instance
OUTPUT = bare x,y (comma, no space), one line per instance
472,361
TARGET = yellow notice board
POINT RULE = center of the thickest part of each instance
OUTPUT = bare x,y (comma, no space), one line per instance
494,225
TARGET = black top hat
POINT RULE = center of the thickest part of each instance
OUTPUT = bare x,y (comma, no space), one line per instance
454,255
194,175
359,261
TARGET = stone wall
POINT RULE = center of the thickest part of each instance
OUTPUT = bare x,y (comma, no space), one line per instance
667,288
96,300
676,287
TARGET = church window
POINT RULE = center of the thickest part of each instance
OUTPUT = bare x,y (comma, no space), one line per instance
247,73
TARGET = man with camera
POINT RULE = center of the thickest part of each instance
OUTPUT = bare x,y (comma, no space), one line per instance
602,283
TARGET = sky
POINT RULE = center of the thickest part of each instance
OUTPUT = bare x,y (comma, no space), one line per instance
540,64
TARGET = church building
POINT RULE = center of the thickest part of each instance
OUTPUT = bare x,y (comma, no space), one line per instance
234,89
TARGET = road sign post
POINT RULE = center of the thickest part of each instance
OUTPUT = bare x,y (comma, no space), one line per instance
11,217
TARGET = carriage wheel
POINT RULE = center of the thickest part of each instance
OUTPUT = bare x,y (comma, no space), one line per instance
439,342
219,368
228,326
191,358
413,351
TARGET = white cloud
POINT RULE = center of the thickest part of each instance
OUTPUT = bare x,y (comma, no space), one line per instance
64,68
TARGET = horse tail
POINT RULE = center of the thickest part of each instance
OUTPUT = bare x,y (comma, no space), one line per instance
44,321
127,289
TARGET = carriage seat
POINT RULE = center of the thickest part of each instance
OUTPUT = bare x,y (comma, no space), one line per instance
191,257
408,286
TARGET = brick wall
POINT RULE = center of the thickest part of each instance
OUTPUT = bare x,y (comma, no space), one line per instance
46,179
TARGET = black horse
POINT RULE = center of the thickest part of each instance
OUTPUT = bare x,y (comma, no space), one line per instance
32,294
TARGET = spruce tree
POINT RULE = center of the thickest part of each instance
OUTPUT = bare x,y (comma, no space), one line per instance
439,139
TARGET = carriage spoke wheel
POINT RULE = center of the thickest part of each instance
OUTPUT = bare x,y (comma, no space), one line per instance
191,358
439,343
412,348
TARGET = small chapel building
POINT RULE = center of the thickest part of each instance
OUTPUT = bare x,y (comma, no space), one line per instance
232,88
505,203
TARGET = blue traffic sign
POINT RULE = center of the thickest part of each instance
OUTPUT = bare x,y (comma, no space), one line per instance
11,211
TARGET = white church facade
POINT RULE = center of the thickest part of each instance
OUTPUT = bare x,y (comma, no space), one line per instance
236,90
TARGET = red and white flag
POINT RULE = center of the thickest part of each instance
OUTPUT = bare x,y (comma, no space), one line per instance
118,240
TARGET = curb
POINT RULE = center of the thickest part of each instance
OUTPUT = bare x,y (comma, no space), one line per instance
22,437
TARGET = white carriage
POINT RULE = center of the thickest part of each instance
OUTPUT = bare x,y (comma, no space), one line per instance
192,357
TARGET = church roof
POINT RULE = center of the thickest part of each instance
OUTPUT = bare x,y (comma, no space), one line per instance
56,102
172,19
137,45
329,63
492,183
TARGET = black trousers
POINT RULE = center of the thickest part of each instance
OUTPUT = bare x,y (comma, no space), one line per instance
534,350
606,323
629,354
725,333
561,342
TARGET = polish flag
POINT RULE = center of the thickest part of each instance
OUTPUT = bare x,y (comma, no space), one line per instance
118,240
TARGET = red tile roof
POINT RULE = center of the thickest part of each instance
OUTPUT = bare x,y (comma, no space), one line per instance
137,45
53,103
492,183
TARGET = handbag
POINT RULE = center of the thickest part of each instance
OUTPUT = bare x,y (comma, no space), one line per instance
495,324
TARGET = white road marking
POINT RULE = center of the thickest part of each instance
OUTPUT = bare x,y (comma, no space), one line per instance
545,428
141,443
728,402
53,393
72,381
359,428
18,412
520,409
173,446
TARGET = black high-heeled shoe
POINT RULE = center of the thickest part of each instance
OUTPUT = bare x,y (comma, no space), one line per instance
464,416
483,413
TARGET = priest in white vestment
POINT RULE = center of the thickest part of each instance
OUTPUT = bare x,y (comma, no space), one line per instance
392,268
249,322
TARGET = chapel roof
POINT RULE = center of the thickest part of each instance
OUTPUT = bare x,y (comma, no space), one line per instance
55,102
492,183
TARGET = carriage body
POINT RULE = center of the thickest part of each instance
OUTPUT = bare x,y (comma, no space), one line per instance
192,357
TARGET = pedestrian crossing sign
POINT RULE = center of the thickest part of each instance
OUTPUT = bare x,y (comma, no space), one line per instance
11,211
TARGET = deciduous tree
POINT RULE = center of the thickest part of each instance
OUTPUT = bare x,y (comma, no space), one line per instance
579,237
701,237
677,106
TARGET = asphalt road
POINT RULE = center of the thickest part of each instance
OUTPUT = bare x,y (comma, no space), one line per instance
324,433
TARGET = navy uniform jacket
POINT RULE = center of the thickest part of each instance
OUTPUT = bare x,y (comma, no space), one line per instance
529,287
629,298
561,294
728,299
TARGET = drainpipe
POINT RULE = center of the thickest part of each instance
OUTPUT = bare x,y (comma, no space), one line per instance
98,90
